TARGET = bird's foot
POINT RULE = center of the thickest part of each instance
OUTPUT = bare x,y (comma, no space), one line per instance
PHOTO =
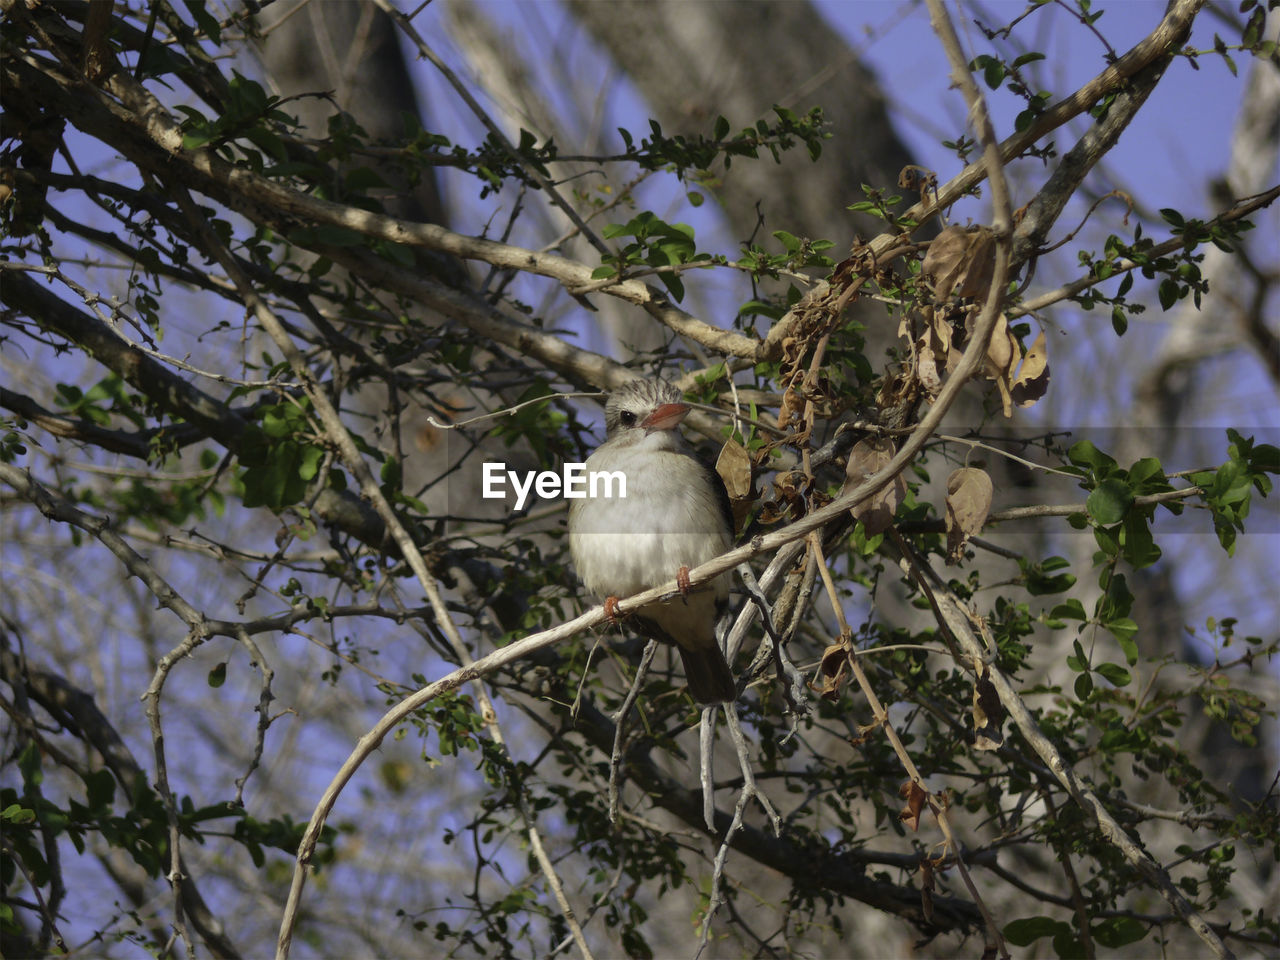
682,581
611,609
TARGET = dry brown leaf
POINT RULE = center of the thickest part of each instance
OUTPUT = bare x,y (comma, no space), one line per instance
791,491
1006,397
734,467
1033,378
953,360
927,368
915,796
1001,362
940,333
969,493
1002,352
988,714
864,734
834,670
927,887
917,178
960,260
792,404
868,457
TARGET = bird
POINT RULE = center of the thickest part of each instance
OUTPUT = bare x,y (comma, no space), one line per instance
675,515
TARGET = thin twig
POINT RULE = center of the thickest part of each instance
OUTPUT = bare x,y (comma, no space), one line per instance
620,724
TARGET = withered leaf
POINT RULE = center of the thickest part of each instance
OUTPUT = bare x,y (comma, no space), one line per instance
790,492
1033,377
960,260
920,179
926,888
835,670
940,333
1002,352
1001,362
734,467
927,368
988,714
792,404
868,457
969,493
915,796
864,734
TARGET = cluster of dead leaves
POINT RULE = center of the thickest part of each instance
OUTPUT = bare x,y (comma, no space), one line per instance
959,264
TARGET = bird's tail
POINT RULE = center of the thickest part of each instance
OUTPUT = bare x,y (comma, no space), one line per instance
709,676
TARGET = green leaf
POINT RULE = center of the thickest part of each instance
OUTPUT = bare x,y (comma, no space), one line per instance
100,788
1040,581
1145,470
1124,630
1116,932
309,466
1168,292
1139,547
17,813
1119,320
865,545
1110,501
277,423
1030,929
391,473
1069,609
1066,943
1085,454
1115,674
993,72
29,764
218,675
788,240
1083,686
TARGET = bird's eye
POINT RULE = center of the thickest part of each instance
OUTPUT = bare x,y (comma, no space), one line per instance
627,418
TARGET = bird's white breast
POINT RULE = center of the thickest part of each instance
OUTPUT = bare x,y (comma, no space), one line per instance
670,518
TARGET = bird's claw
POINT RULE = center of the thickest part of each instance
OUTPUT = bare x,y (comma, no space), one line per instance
611,609
682,581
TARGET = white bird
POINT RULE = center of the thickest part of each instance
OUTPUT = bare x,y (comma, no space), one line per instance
675,515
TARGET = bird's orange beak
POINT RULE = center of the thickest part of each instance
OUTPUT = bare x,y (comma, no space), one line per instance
666,417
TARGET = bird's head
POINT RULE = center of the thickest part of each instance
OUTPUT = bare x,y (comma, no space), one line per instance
643,408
